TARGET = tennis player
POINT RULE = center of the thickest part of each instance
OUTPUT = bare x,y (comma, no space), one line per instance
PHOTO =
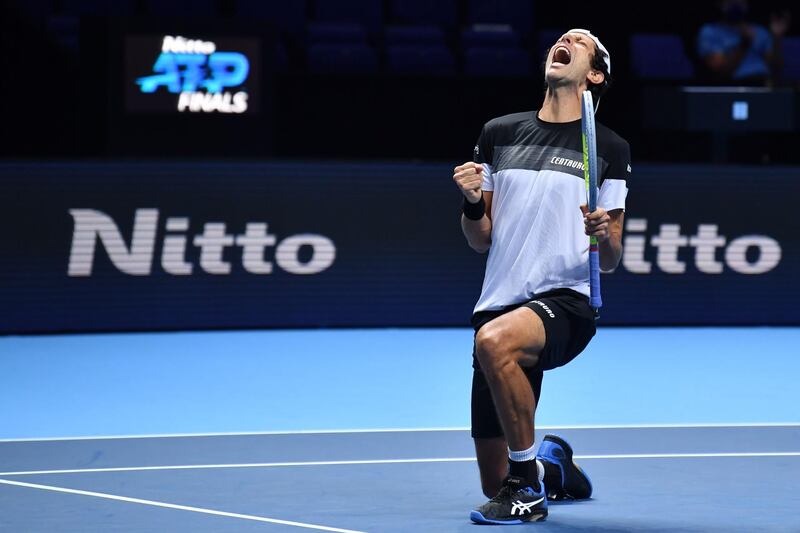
524,203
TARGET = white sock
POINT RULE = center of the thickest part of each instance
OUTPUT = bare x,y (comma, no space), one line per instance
540,470
528,455
524,455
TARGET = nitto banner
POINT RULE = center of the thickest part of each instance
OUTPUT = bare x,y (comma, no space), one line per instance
141,246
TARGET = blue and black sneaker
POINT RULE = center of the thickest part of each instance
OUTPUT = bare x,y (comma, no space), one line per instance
517,502
563,478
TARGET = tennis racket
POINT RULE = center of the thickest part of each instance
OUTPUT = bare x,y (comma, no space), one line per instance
590,177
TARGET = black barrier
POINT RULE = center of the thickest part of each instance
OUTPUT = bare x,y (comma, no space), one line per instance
140,246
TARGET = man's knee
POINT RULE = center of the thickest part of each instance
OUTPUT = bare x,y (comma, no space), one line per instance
491,343
498,349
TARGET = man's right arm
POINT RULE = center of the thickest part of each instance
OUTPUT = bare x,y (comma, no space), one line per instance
477,229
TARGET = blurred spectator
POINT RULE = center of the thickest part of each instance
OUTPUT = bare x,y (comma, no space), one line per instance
735,50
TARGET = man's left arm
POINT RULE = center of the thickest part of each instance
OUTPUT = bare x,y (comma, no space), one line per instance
606,222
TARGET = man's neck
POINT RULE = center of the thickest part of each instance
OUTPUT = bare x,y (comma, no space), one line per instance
561,104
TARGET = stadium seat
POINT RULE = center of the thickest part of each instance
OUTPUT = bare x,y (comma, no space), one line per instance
34,9
517,13
289,17
791,58
415,59
182,8
488,35
442,13
336,32
497,61
66,31
99,8
368,13
280,57
660,57
417,34
326,58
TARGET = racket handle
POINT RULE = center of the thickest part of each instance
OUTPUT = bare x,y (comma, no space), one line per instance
594,276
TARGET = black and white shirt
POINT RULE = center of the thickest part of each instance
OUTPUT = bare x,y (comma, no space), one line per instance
535,170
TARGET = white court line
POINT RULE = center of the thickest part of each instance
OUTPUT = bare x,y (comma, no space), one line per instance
175,506
244,465
687,455
242,434
401,430
385,462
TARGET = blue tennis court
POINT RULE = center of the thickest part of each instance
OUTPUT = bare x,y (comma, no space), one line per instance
244,242
365,430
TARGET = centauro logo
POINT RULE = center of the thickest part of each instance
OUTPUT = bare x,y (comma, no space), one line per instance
93,227
200,75
571,163
545,307
765,254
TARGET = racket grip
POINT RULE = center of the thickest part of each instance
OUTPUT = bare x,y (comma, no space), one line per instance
594,277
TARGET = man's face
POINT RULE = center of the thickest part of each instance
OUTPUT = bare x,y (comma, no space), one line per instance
569,59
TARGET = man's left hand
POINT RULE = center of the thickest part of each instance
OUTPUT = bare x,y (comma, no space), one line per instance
596,223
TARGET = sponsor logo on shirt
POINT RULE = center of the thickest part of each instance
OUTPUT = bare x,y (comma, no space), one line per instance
563,161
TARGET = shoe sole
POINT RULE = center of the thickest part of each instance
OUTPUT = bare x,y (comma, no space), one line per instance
478,518
577,484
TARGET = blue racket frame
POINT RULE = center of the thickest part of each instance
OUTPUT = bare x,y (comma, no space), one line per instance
589,139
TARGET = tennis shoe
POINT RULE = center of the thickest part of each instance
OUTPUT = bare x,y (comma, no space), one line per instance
564,479
517,502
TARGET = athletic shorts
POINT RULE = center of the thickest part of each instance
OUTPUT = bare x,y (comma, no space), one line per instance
569,325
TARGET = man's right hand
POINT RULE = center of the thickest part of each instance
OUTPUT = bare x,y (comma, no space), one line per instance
469,178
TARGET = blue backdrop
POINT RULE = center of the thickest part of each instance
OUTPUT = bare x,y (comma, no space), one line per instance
334,244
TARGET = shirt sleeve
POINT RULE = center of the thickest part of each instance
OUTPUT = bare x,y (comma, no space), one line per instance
763,42
709,41
614,187
484,154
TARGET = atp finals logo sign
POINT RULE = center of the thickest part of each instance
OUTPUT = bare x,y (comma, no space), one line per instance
204,78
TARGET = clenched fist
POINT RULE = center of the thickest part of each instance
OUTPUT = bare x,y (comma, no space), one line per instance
469,178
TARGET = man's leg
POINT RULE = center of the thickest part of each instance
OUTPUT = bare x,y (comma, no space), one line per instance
492,457
491,448
503,346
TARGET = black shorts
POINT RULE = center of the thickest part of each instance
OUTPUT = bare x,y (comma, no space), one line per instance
569,325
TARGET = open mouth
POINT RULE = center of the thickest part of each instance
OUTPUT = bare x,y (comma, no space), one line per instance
562,55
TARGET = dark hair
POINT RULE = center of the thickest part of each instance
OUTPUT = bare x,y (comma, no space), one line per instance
599,89
597,63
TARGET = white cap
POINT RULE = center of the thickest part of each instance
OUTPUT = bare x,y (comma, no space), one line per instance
606,56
